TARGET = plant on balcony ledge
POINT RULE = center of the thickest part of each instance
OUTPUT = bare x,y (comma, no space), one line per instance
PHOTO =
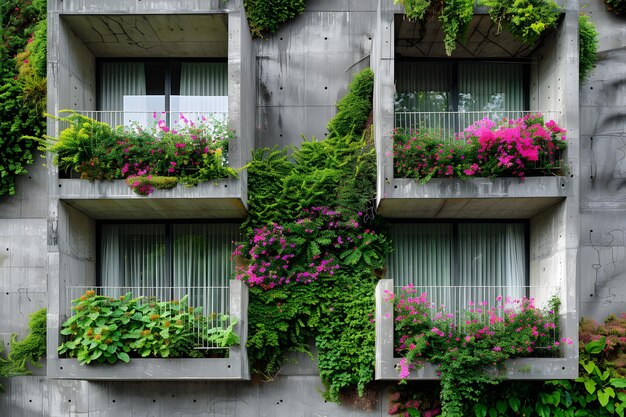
106,330
152,157
521,147
467,352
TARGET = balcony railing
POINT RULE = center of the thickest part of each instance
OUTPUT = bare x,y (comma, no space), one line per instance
446,124
460,300
144,120
214,301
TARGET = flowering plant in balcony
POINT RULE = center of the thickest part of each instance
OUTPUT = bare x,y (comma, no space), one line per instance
187,151
511,147
472,351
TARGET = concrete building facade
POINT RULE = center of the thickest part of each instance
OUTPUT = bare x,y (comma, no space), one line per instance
278,89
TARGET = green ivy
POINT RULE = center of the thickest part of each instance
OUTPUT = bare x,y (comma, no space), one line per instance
455,18
22,87
335,309
414,9
27,351
264,16
588,46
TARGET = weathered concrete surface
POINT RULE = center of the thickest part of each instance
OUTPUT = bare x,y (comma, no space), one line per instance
602,278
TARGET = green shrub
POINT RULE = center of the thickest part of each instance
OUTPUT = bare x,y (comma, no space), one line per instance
264,16
588,47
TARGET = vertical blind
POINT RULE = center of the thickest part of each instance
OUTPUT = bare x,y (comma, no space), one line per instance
119,79
159,255
204,79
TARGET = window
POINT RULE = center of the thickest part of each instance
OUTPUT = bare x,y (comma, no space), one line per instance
458,262
426,89
141,88
163,255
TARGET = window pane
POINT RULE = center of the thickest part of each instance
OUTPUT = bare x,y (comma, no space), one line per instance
422,254
133,255
422,86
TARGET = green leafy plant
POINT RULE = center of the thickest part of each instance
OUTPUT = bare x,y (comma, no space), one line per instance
588,46
265,16
224,335
525,19
22,87
106,330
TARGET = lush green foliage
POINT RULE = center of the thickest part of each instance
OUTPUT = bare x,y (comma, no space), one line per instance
525,19
22,86
466,353
521,147
414,9
106,330
266,15
616,6
310,255
455,18
588,46
27,351
194,153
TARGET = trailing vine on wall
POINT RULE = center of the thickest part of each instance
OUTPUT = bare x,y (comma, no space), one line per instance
588,46
525,19
22,87
265,16
311,260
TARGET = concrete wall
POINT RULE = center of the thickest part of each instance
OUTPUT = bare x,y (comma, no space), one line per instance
602,277
42,239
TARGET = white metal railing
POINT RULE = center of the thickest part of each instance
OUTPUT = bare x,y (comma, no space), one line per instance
459,300
133,119
447,124
214,301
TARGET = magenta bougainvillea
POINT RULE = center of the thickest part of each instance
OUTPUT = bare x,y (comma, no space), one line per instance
511,147
300,251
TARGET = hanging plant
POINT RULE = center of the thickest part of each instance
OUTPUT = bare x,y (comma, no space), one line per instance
455,18
525,19
588,46
414,9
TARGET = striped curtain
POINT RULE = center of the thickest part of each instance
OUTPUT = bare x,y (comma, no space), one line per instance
204,79
119,79
490,86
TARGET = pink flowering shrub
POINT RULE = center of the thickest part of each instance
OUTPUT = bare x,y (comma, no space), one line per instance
303,250
520,147
193,152
469,352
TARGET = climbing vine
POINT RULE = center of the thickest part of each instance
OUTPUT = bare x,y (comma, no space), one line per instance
310,257
22,87
264,16
588,46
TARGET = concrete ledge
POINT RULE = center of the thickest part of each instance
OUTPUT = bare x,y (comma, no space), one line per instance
510,198
115,200
230,368
514,369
